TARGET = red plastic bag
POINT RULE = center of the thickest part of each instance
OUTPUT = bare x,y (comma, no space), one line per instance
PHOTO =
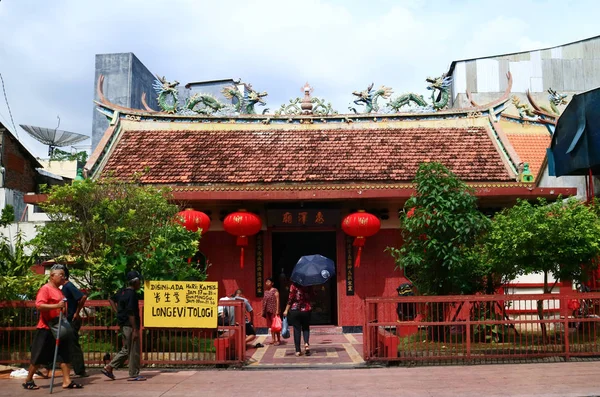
276,326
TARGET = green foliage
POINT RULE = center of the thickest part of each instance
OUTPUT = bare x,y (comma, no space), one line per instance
560,239
8,215
488,333
440,234
61,155
17,280
109,227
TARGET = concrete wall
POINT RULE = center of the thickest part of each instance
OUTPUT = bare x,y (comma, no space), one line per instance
569,69
27,230
65,168
570,181
141,82
125,79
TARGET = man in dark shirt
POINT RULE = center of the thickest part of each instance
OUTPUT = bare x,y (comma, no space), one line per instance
126,304
75,302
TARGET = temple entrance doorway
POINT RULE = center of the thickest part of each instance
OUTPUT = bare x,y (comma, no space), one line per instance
288,247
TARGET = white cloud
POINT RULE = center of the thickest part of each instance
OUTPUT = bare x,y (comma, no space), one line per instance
48,48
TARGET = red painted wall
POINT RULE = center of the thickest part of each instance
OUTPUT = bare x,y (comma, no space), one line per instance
221,251
375,277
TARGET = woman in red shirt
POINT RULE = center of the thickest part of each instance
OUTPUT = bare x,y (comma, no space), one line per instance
270,308
299,310
49,302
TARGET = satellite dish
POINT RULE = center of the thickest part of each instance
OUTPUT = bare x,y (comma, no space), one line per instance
54,137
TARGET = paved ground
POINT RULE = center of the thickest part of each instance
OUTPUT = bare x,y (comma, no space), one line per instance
556,379
328,350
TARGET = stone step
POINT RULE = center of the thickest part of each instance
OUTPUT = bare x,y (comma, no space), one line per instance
325,330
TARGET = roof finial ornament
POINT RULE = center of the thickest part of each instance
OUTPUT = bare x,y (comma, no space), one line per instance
306,104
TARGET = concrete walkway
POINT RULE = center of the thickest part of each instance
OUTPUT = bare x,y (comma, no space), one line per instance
576,379
328,350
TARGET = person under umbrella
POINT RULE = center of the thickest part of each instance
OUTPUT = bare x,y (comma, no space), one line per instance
310,270
299,310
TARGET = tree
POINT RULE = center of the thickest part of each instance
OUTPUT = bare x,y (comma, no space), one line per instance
561,239
439,227
108,227
17,280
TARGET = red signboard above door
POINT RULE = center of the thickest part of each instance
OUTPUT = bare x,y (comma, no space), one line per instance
303,218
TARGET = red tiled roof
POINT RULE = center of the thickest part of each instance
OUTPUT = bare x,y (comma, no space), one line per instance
531,148
279,156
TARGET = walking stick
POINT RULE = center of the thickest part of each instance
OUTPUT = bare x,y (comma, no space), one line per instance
56,347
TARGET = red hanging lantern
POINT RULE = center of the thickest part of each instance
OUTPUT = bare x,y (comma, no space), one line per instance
193,220
242,224
361,225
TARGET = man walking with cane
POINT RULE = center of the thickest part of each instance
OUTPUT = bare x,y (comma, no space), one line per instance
126,303
49,302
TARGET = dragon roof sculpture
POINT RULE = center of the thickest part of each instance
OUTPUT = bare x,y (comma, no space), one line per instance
440,95
368,98
245,102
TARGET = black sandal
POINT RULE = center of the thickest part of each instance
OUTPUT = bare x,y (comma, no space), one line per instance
74,385
30,385
307,350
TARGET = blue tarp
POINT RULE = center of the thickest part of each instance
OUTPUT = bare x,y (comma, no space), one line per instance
575,147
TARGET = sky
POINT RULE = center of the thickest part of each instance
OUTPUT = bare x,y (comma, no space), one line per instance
47,48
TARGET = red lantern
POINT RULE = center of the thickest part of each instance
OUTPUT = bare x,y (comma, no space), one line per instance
242,224
361,225
193,220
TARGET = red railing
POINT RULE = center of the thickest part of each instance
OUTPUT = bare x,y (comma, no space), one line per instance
485,328
99,336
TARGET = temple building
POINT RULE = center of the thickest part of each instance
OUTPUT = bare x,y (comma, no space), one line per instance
305,167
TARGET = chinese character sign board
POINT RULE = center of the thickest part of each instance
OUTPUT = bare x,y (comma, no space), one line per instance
303,218
180,304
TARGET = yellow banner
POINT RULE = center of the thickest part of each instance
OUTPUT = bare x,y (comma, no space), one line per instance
180,304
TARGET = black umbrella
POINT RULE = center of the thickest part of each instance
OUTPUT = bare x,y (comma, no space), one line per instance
313,270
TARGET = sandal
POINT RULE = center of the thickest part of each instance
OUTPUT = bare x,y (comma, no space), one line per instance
73,385
138,378
108,374
30,385
298,354
40,374
307,350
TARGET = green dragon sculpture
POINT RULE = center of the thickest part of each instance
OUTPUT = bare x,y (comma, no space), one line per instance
168,99
205,104
368,98
440,95
556,100
405,99
440,90
167,94
523,108
246,102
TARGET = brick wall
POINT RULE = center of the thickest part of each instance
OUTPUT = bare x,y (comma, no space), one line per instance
19,166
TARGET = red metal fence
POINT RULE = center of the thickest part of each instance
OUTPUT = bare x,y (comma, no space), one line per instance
480,329
99,335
